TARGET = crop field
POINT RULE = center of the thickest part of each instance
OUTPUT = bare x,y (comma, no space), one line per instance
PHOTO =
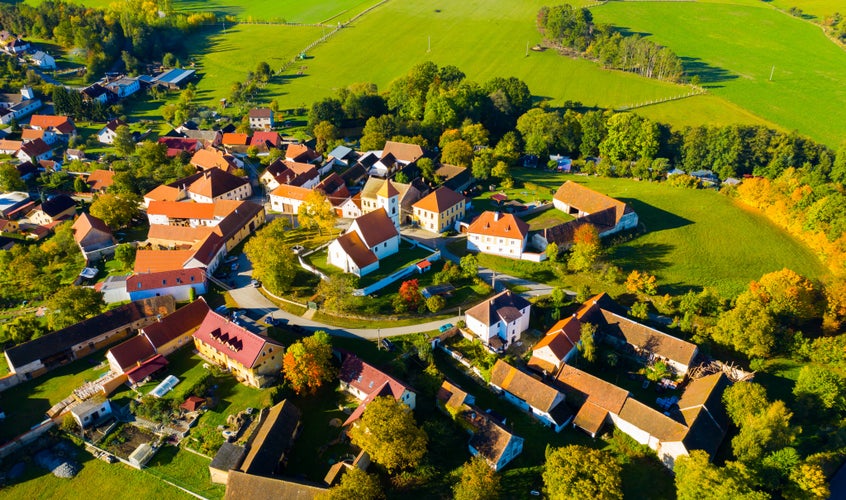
688,242
806,93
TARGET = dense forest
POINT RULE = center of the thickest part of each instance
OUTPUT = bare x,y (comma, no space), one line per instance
572,29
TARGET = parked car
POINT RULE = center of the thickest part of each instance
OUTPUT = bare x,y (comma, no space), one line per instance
388,345
255,283
445,328
297,249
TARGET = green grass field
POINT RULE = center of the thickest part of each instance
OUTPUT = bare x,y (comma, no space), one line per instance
734,61
689,242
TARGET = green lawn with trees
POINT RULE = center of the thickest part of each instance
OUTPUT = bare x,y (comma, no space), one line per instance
688,242
734,62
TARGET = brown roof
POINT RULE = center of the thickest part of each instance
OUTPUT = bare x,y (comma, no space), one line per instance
451,395
387,190
406,153
35,148
101,179
133,351
30,134
86,223
300,153
439,200
175,235
500,225
652,421
524,386
590,418
215,182
376,227
179,322
489,438
589,201
234,139
505,306
705,394
648,338
272,440
265,138
241,486
7,145
261,113
595,390
356,249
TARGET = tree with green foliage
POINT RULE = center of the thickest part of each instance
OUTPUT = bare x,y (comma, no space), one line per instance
819,388
125,254
696,474
116,210
586,248
744,398
377,131
388,433
22,329
478,481
273,261
552,251
469,265
337,292
458,153
325,135
435,303
639,310
308,363
577,471
10,178
587,343
72,304
326,110
641,283
541,131
427,170
750,328
124,143
357,484
483,164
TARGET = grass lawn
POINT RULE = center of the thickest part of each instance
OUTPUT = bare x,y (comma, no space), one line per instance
693,238
406,256
26,404
97,480
546,219
735,62
189,470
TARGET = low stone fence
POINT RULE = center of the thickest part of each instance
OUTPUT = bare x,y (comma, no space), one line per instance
26,438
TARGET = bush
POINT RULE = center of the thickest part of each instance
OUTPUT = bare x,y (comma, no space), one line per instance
435,303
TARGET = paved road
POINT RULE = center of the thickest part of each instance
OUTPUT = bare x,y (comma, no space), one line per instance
258,306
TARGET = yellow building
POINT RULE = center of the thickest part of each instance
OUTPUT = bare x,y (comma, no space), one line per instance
439,210
253,359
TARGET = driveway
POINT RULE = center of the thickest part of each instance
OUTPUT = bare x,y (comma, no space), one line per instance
258,306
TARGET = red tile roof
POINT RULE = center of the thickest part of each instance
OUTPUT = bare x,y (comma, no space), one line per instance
101,179
376,227
191,210
86,223
211,158
147,368
369,380
216,182
356,249
592,202
439,200
165,279
150,261
132,352
291,192
524,386
266,138
234,139
300,153
61,123
562,337
231,340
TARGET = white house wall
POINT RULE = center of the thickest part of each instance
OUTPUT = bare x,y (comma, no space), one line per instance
494,245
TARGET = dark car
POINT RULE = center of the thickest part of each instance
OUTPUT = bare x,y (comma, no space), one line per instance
388,345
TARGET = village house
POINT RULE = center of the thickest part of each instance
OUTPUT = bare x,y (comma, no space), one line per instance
179,145
335,189
75,154
34,151
43,60
454,177
59,207
241,485
62,126
207,138
16,106
26,170
287,199
499,321
439,210
100,180
9,226
261,119
265,141
498,234
8,147
182,284
92,234
543,402
40,355
365,382
557,347
404,153
373,196
369,239
270,444
31,134
123,87
89,412
304,175
251,358
107,134
300,153
17,46
342,157
488,438
14,204
130,354
175,78
96,93
207,186
608,215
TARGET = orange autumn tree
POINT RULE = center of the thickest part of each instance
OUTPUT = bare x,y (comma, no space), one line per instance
308,363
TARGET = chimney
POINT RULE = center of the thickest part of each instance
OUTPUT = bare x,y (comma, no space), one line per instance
496,216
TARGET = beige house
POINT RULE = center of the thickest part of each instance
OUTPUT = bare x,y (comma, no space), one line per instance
439,210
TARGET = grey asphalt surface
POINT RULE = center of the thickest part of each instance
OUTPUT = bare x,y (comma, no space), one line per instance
257,306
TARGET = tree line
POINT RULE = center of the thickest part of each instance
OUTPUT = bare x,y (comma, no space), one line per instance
131,31
572,29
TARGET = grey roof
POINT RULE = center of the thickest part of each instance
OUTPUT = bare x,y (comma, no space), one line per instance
175,76
228,457
340,152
